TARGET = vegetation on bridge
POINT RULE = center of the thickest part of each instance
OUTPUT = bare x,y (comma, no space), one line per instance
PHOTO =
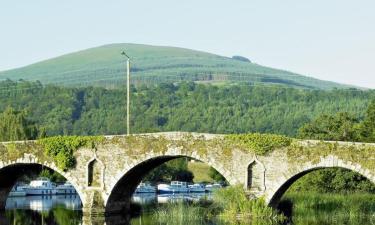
260,144
61,148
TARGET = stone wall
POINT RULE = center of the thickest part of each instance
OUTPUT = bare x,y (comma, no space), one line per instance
106,175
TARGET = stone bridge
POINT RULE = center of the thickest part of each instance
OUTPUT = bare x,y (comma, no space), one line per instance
106,175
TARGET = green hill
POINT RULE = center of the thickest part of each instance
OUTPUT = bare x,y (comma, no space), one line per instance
105,66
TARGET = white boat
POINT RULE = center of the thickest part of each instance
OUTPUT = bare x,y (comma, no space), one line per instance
17,191
145,188
174,187
143,198
41,186
65,189
212,187
197,188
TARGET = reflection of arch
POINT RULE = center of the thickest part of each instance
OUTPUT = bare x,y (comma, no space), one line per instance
95,173
10,174
276,194
256,176
126,184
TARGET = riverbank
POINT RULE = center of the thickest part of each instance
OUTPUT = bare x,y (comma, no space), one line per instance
317,208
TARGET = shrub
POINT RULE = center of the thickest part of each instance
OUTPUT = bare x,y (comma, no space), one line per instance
62,148
260,143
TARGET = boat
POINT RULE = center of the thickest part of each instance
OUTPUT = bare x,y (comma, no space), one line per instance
145,188
17,191
174,187
143,198
197,188
65,189
41,186
212,187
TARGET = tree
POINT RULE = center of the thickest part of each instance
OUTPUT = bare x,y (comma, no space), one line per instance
14,125
368,125
176,169
333,180
216,176
52,175
339,127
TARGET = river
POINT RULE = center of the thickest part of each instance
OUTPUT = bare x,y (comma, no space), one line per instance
65,210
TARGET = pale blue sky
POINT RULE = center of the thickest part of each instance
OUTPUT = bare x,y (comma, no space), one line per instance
327,39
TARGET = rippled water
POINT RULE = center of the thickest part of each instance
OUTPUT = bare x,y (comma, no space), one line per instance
65,210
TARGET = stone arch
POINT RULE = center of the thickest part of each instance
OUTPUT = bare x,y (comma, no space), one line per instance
19,167
255,180
275,193
127,180
95,173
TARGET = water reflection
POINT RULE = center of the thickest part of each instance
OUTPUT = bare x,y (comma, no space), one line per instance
56,216
65,210
44,203
145,198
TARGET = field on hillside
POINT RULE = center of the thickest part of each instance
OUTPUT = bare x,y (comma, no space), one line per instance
200,171
105,66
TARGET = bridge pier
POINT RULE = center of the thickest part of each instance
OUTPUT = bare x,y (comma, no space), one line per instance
93,204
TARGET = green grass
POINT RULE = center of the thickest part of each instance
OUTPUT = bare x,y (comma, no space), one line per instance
316,208
200,171
104,66
235,205
180,213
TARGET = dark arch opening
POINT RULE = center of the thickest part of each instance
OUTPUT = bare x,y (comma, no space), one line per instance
120,197
11,174
275,200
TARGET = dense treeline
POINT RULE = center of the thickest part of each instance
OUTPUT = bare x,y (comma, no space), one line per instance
342,126
14,126
178,107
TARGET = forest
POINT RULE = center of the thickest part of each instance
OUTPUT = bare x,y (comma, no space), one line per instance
178,107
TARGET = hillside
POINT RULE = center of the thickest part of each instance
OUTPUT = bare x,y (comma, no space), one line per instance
105,66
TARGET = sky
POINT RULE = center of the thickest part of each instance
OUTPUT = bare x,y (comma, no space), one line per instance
330,40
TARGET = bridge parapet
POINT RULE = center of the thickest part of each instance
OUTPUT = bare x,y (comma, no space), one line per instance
106,174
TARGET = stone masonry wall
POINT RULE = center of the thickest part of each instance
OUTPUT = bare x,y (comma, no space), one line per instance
101,170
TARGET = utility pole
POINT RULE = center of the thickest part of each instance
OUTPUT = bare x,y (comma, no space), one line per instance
127,92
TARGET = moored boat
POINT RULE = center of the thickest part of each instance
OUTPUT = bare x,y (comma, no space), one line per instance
65,189
174,187
41,186
212,187
197,188
17,191
145,188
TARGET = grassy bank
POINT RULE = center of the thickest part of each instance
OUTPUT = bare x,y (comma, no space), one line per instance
316,208
229,205
235,205
183,213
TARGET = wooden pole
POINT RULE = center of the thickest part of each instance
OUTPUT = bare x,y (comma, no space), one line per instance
128,98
